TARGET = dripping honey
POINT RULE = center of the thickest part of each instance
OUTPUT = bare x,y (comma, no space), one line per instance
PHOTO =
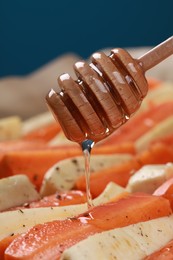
86,147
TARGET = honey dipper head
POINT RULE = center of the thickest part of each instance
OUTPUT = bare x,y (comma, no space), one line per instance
108,91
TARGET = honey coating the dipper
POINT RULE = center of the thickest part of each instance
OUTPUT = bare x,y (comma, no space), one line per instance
108,91
106,94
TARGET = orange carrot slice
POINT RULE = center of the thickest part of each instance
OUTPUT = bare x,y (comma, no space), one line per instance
153,83
61,199
72,197
45,133
166,253
126,147
166,191
168,140
34,163
20,145
4,243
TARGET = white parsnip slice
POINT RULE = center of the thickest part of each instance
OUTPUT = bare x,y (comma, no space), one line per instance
10,128
61,139
18,221
36,122
160,95
63,175
15,191
133,242
162,129
150,177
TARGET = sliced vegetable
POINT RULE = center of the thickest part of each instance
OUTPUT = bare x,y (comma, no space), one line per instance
73,197
166,190
124,147
150,177
153,83
15,191
160,130
4,243
21,145
37,122
168,140
162,94
10,128
45,133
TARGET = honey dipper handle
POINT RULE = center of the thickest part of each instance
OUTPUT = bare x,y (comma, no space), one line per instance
157,54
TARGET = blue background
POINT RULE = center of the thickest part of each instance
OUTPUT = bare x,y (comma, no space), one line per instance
33,32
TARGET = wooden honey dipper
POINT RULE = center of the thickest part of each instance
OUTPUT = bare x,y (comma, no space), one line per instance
107,92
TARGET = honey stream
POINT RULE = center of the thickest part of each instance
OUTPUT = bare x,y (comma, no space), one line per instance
87,146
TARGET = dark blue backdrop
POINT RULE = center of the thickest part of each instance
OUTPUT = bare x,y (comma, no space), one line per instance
33,32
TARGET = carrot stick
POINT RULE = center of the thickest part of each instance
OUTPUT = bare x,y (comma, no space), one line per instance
51,239
168,140
20,145
72,197
166,191
1,157
4,243
34,163
126,147
45,133
156,154
154,83
120,174
166,253
24,145
61,199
